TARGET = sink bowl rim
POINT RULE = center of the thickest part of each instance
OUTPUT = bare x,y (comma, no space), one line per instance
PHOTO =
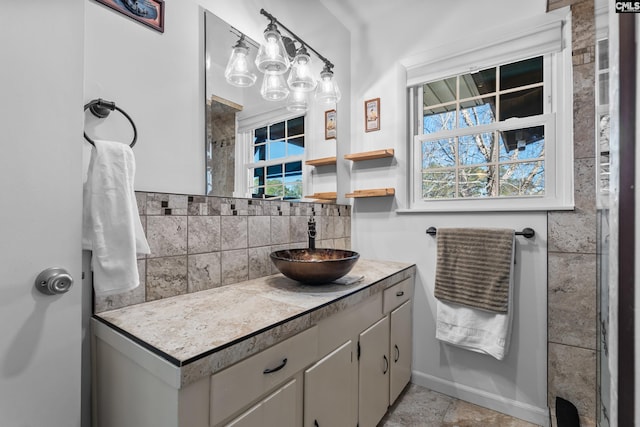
350,255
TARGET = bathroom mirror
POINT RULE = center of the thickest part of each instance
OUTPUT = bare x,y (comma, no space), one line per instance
231,113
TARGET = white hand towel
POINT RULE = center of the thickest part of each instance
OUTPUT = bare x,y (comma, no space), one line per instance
476,329
111,224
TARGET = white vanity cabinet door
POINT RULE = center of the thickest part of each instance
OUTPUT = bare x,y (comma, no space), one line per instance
278,409
400,351
373,388
329,399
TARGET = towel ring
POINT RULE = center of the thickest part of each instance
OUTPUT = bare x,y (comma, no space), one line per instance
101,109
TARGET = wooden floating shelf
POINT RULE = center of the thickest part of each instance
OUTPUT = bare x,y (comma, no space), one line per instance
325,161
377,192
327,195
370,155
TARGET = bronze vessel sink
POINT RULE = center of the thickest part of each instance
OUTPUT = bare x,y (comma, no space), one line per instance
314,266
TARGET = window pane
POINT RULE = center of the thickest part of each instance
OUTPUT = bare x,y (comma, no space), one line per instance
441,118
277,149
522,179
439,153
527,143
476,182
295,146
603,89
295,126
259,153
293,191
477,112
475,149
293,168
258,177
274,190
260,135
521,73
603,131
439,92
604,173
276,131
439,185
524,103
293,180
479,83
274,173
603,54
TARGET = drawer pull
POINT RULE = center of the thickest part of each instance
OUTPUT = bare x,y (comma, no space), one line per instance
399,293
277,368
386,365
315,423
397,357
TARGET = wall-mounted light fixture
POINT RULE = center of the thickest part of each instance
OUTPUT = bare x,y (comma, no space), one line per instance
277,55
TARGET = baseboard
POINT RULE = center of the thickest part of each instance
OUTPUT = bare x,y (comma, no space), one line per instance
524,411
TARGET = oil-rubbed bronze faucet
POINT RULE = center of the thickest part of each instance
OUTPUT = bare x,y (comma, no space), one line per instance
312,232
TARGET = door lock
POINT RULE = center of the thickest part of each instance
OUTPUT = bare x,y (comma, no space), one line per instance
54,281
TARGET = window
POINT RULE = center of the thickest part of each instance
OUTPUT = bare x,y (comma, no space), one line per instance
277,153
483,133
602,119
492,125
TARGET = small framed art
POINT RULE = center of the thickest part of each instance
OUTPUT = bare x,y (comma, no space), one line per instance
147,12
372,115
330,124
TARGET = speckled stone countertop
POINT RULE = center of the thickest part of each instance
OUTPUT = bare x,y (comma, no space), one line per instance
206,331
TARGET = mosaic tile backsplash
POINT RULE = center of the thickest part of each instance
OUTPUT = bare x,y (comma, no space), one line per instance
202,242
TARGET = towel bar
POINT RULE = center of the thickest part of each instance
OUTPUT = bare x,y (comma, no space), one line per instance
101,109
526,232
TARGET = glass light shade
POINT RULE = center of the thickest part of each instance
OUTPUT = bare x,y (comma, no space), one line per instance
274,88
298,101
272,57
327,91
237,72
300,76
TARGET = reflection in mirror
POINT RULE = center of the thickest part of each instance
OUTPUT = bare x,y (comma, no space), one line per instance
223,102
255,147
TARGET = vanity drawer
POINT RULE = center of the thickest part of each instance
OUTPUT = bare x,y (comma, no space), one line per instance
244,382
397,294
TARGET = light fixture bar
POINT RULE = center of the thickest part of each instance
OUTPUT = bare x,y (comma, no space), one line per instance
273,19
248,40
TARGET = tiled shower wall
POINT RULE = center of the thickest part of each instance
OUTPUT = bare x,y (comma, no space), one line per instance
572,258
202,242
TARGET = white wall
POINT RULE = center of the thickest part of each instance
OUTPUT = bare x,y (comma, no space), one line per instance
159,79
382,36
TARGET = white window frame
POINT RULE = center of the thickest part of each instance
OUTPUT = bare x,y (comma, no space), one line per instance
548,36
244,149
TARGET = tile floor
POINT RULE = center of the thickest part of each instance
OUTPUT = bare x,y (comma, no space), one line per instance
420,407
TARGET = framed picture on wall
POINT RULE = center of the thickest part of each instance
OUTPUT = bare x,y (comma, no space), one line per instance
147,12
330,124
372,115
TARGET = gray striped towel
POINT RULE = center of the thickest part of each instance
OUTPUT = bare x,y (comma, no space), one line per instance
473,267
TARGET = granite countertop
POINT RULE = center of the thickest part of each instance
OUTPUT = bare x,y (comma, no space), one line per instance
203,332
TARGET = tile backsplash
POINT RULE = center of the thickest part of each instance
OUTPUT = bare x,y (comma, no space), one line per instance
202,242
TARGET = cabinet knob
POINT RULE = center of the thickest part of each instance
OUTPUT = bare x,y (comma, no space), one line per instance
386,364
315,423
397,356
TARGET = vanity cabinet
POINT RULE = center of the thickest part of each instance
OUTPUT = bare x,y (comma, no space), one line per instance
373,387
400,350
328,389
278,409
343,368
